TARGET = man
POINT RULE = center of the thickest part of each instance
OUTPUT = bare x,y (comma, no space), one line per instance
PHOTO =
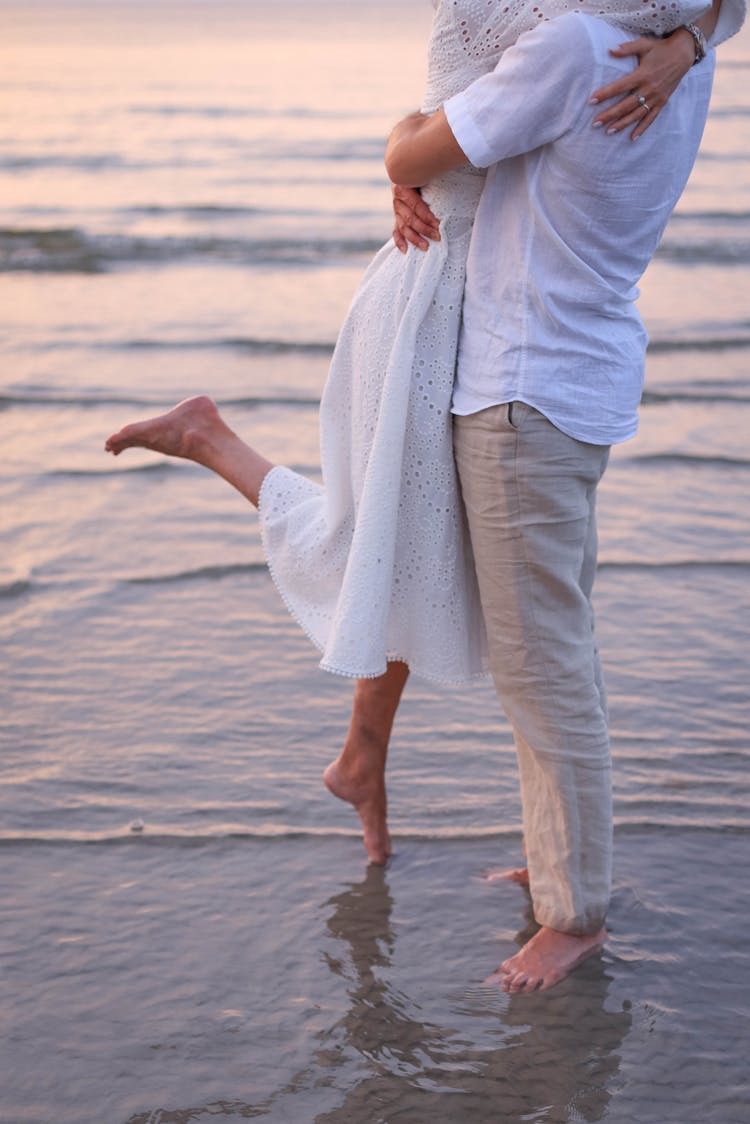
549,377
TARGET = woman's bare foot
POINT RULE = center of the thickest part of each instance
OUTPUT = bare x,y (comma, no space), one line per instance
367,795
182,432
358,774
546,959
195,430
520,876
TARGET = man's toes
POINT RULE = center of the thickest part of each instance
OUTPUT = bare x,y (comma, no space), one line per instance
550,979
519,983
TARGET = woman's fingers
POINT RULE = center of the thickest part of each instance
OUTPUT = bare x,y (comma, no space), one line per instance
631,110
642,117
640,95
623,86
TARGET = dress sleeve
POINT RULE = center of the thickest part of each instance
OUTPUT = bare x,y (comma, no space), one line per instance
731,18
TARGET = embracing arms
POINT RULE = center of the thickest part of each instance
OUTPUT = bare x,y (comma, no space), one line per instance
662,65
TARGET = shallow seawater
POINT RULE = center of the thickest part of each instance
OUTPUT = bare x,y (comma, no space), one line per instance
280,978
189,195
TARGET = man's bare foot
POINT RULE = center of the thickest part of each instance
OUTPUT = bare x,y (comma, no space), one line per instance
546,959
520,876
182,432
369,800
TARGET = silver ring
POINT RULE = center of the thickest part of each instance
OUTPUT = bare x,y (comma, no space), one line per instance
642,101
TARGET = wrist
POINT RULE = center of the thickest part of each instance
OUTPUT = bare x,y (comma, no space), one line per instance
692,35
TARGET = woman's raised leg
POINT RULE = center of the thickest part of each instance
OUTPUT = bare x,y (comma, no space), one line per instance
195,431
358,773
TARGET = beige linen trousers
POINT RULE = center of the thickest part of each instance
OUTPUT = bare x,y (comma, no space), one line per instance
530,497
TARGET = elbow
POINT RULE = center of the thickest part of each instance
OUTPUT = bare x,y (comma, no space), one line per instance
400,164
397,164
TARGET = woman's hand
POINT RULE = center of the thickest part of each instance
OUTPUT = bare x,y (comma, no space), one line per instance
641,95
415,222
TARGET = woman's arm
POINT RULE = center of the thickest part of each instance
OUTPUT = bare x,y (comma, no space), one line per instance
643,93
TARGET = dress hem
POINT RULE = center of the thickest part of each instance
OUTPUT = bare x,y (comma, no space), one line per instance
346,673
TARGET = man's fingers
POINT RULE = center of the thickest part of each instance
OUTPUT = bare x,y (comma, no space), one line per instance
404,219
425,215
408,201
416,225
404,236
426,223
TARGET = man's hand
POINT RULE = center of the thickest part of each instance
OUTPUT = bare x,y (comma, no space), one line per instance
415,222
646,90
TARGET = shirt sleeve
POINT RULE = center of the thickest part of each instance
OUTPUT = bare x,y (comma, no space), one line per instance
534,95
731,18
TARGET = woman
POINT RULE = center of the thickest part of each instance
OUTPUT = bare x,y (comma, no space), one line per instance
375,563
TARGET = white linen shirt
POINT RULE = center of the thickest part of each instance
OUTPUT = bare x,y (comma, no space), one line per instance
568,220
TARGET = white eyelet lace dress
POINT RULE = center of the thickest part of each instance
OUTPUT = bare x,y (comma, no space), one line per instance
375,563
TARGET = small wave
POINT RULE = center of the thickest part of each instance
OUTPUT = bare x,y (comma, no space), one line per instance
260,346
708,157
234,343
157,468
72,250
728,111
703,343
738,564
659,397
679,217
143,836
31,398
86,162
14,588
203,573
347,151
680,826
249,344
692,459
250,112
710,251
203,211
